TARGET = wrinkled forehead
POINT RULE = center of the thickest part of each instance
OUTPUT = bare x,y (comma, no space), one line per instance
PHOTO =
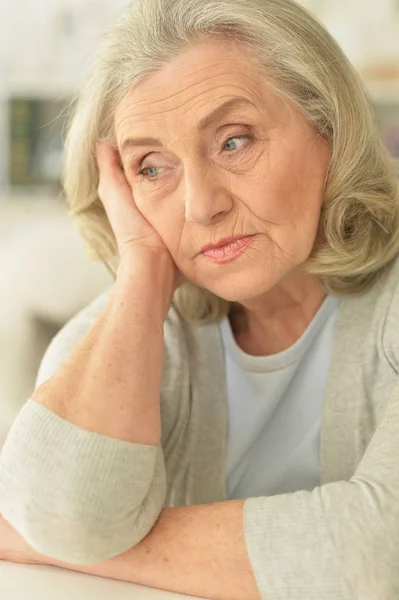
194,83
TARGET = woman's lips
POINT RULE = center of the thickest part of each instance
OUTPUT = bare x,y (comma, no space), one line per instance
229,252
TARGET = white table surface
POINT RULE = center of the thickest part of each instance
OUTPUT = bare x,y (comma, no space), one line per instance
41,582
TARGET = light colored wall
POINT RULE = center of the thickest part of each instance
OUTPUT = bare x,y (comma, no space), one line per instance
50,41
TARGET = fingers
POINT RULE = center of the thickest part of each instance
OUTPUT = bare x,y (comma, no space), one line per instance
130,227
111,175
107,157
115,193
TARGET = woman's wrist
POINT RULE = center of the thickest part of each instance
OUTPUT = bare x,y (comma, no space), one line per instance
151,271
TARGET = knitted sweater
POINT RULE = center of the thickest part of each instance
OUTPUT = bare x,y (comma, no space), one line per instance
82,497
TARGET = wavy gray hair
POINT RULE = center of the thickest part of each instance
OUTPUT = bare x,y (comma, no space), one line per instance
359,215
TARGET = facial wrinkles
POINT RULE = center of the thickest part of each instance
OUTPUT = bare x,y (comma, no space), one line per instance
185,144
255,164
221,72
179,108
175,125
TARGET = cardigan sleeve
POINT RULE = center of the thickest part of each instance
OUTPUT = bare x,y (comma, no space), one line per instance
340,541
72,494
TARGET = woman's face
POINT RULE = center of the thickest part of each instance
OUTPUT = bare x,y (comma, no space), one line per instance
254,167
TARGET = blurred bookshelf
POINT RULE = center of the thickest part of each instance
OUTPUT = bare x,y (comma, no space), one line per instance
35,142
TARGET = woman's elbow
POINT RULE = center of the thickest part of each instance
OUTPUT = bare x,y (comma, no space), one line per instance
87,543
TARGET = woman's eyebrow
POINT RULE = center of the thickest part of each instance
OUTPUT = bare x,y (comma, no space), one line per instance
204,123
222,110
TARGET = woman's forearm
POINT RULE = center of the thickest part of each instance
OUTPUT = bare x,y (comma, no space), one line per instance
110,383
195,550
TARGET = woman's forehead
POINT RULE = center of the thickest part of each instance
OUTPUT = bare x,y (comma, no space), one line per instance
197,72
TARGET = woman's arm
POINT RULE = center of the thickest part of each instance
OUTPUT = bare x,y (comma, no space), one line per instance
338,542
61,484
97,388
82,473
193,550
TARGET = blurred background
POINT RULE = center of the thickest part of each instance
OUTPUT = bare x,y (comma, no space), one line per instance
45,47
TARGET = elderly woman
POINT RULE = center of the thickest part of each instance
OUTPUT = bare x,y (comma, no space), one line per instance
224,421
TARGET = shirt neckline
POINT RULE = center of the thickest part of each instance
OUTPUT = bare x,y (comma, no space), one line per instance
280,360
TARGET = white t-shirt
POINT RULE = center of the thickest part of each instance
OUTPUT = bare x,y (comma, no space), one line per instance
275,408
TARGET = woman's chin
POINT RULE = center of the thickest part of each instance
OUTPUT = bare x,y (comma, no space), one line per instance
240,287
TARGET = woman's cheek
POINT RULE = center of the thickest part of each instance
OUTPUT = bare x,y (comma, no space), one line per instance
165,213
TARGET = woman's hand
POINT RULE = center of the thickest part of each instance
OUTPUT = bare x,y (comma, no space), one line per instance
132,231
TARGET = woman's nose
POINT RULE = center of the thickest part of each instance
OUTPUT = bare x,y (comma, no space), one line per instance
205,198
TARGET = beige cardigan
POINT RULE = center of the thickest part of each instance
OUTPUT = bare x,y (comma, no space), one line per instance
82,497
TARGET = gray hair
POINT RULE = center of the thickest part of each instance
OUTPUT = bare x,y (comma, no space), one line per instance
359,214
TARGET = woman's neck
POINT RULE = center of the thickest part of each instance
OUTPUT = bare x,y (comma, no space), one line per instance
273,323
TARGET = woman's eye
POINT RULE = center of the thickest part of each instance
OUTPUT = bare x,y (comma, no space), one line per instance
151,173
145,173
241,138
